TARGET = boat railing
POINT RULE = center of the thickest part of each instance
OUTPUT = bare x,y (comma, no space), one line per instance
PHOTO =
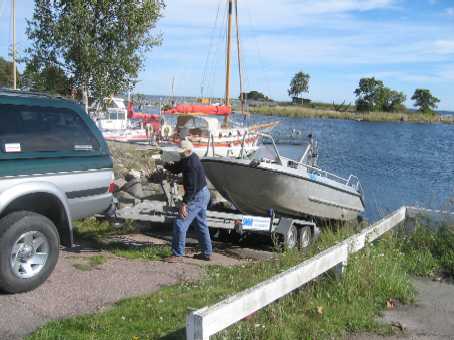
352,180
210,144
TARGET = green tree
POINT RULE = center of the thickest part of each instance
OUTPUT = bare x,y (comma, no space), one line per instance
100,44
6,74
425,101
372,95
49,78
299,84
368,93
255,95
390,101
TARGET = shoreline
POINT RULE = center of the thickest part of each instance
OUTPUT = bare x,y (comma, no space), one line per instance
305,112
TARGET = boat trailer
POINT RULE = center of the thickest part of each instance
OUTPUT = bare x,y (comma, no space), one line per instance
284,231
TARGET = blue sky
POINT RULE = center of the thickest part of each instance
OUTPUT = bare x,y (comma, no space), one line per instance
407,44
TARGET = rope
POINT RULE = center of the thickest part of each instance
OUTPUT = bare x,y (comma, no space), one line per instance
259,54
216,59
211,46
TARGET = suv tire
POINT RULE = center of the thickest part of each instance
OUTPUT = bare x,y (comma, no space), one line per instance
29,250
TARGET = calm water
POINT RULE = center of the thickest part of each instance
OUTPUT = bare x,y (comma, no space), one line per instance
397,164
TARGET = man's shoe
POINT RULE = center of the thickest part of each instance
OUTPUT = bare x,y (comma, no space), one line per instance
202,257
174,259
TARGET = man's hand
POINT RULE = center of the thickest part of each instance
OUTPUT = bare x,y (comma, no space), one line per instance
183,210
158,175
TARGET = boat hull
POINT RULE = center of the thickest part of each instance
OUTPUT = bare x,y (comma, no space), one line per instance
255,190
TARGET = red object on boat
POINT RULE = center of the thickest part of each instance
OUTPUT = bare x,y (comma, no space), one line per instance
221,110
130,109
148,118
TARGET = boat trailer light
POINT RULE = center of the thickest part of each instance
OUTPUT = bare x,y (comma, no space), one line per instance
113,187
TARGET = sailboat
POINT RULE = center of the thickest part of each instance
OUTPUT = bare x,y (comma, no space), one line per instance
199,123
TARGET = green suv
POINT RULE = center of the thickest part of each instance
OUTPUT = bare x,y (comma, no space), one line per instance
55,167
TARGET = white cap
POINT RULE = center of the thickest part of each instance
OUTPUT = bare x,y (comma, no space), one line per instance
185,145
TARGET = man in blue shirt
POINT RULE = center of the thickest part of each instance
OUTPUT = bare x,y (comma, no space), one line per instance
194,206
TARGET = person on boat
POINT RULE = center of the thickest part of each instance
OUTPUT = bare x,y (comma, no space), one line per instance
149,132
194,206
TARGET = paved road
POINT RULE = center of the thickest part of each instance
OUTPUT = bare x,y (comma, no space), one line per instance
431,317
70,291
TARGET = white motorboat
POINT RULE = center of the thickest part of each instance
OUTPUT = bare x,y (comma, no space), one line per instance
267,180
119,123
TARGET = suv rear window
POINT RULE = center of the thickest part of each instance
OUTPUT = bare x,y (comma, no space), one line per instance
43,129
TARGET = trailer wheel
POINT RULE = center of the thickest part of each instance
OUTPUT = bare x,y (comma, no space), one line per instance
291,238
304,237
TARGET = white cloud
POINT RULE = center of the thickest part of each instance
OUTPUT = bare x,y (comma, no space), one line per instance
281,13
342,6
444,46
449,11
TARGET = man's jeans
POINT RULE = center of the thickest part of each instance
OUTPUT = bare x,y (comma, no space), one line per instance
197,212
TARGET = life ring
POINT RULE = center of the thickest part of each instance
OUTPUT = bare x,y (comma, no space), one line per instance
166,131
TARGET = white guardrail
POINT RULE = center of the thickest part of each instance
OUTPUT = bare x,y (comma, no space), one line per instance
205,322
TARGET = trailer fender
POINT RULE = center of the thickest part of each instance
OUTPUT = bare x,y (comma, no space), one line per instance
283,226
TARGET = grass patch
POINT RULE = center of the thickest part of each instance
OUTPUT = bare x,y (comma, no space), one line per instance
89,263
151,253
323,309
430,252
329,307
92,229
97,232
307,112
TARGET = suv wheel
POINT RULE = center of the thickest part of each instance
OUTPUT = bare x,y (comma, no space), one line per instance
29,249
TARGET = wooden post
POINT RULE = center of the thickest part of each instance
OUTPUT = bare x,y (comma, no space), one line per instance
339,269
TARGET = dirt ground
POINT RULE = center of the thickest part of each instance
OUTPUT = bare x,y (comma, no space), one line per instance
70,291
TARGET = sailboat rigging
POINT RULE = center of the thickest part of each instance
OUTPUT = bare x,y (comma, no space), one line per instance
206,133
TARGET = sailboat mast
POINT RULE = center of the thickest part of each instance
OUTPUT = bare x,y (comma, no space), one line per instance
239,57
229,53
13,9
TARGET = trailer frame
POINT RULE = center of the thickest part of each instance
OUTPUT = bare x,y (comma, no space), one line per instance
291,232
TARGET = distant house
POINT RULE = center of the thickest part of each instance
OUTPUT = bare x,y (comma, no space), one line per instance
300,101
297,100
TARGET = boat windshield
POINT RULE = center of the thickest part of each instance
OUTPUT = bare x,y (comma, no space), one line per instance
265,152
